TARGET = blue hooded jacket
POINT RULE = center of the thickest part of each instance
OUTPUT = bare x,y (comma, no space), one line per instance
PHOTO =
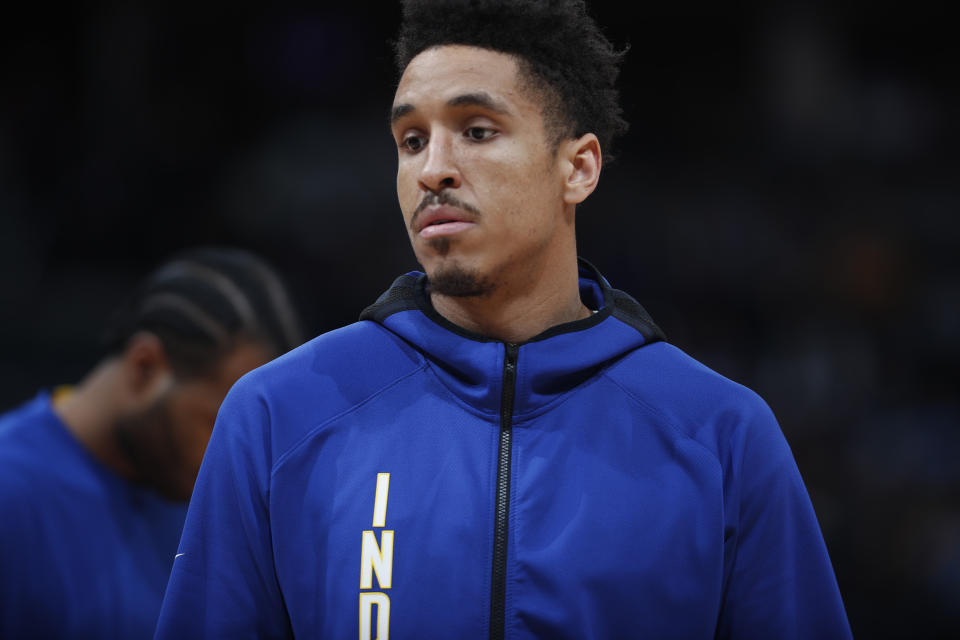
401,477
84,553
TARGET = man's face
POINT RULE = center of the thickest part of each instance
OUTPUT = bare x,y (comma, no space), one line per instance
167,441
478,181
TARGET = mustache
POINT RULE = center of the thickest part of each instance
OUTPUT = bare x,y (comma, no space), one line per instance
442,198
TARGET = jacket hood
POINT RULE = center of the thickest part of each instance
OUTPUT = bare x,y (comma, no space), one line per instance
549,365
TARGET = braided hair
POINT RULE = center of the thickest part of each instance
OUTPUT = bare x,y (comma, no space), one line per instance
202,303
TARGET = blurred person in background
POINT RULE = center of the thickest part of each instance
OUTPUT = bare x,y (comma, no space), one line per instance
505,445
95,478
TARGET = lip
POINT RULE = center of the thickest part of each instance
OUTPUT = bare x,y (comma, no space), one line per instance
443,220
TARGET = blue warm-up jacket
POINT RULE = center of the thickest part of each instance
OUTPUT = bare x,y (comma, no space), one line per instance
403,478
84,553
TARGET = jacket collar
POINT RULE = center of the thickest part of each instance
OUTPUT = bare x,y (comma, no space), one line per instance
548,365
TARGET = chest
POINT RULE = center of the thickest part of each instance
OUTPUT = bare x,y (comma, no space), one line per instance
587,522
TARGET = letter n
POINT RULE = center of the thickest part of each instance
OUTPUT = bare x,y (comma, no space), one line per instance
376,558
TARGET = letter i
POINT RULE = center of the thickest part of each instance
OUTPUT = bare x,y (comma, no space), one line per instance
380,503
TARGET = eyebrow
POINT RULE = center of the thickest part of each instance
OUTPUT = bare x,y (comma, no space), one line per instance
477,99
400,111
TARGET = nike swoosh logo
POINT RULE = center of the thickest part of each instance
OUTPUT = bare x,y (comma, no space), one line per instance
177,556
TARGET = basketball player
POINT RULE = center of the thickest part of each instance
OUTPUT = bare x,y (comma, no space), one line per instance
94,479
505,446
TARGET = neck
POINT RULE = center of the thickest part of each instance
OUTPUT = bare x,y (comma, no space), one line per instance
88,412
521,308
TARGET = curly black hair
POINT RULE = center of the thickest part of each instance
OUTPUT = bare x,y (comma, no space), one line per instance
559,48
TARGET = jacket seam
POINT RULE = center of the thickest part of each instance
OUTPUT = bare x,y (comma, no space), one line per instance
680,433
715,456
727,578
286,455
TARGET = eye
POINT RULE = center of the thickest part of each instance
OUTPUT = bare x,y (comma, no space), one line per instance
478,134
413,143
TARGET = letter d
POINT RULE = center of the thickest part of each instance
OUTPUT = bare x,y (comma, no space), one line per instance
367,600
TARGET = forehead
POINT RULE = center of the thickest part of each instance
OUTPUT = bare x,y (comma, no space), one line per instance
444,72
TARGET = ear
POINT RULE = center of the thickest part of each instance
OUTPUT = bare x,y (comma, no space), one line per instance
146,369
583,162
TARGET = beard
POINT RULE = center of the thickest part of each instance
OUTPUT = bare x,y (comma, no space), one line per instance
149,442
456,282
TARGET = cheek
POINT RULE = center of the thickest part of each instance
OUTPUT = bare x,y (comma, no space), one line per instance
407,192
521,174
524,194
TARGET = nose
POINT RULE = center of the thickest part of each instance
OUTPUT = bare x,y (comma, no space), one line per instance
440,170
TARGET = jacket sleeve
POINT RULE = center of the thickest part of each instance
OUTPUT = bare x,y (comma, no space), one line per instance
223,583
779,582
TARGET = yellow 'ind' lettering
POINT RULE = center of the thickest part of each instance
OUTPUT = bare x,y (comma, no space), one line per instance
376,559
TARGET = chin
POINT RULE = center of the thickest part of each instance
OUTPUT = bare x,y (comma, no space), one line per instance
456,281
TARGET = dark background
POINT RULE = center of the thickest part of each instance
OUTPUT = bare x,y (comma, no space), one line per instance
785,205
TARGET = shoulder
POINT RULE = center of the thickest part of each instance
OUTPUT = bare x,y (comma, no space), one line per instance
352,361
31,411
24,463
695,400
318,380
669,379
25,440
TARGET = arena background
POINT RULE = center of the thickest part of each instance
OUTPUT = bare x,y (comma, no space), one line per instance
785,205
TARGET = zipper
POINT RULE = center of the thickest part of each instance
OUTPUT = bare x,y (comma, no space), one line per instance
498,583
